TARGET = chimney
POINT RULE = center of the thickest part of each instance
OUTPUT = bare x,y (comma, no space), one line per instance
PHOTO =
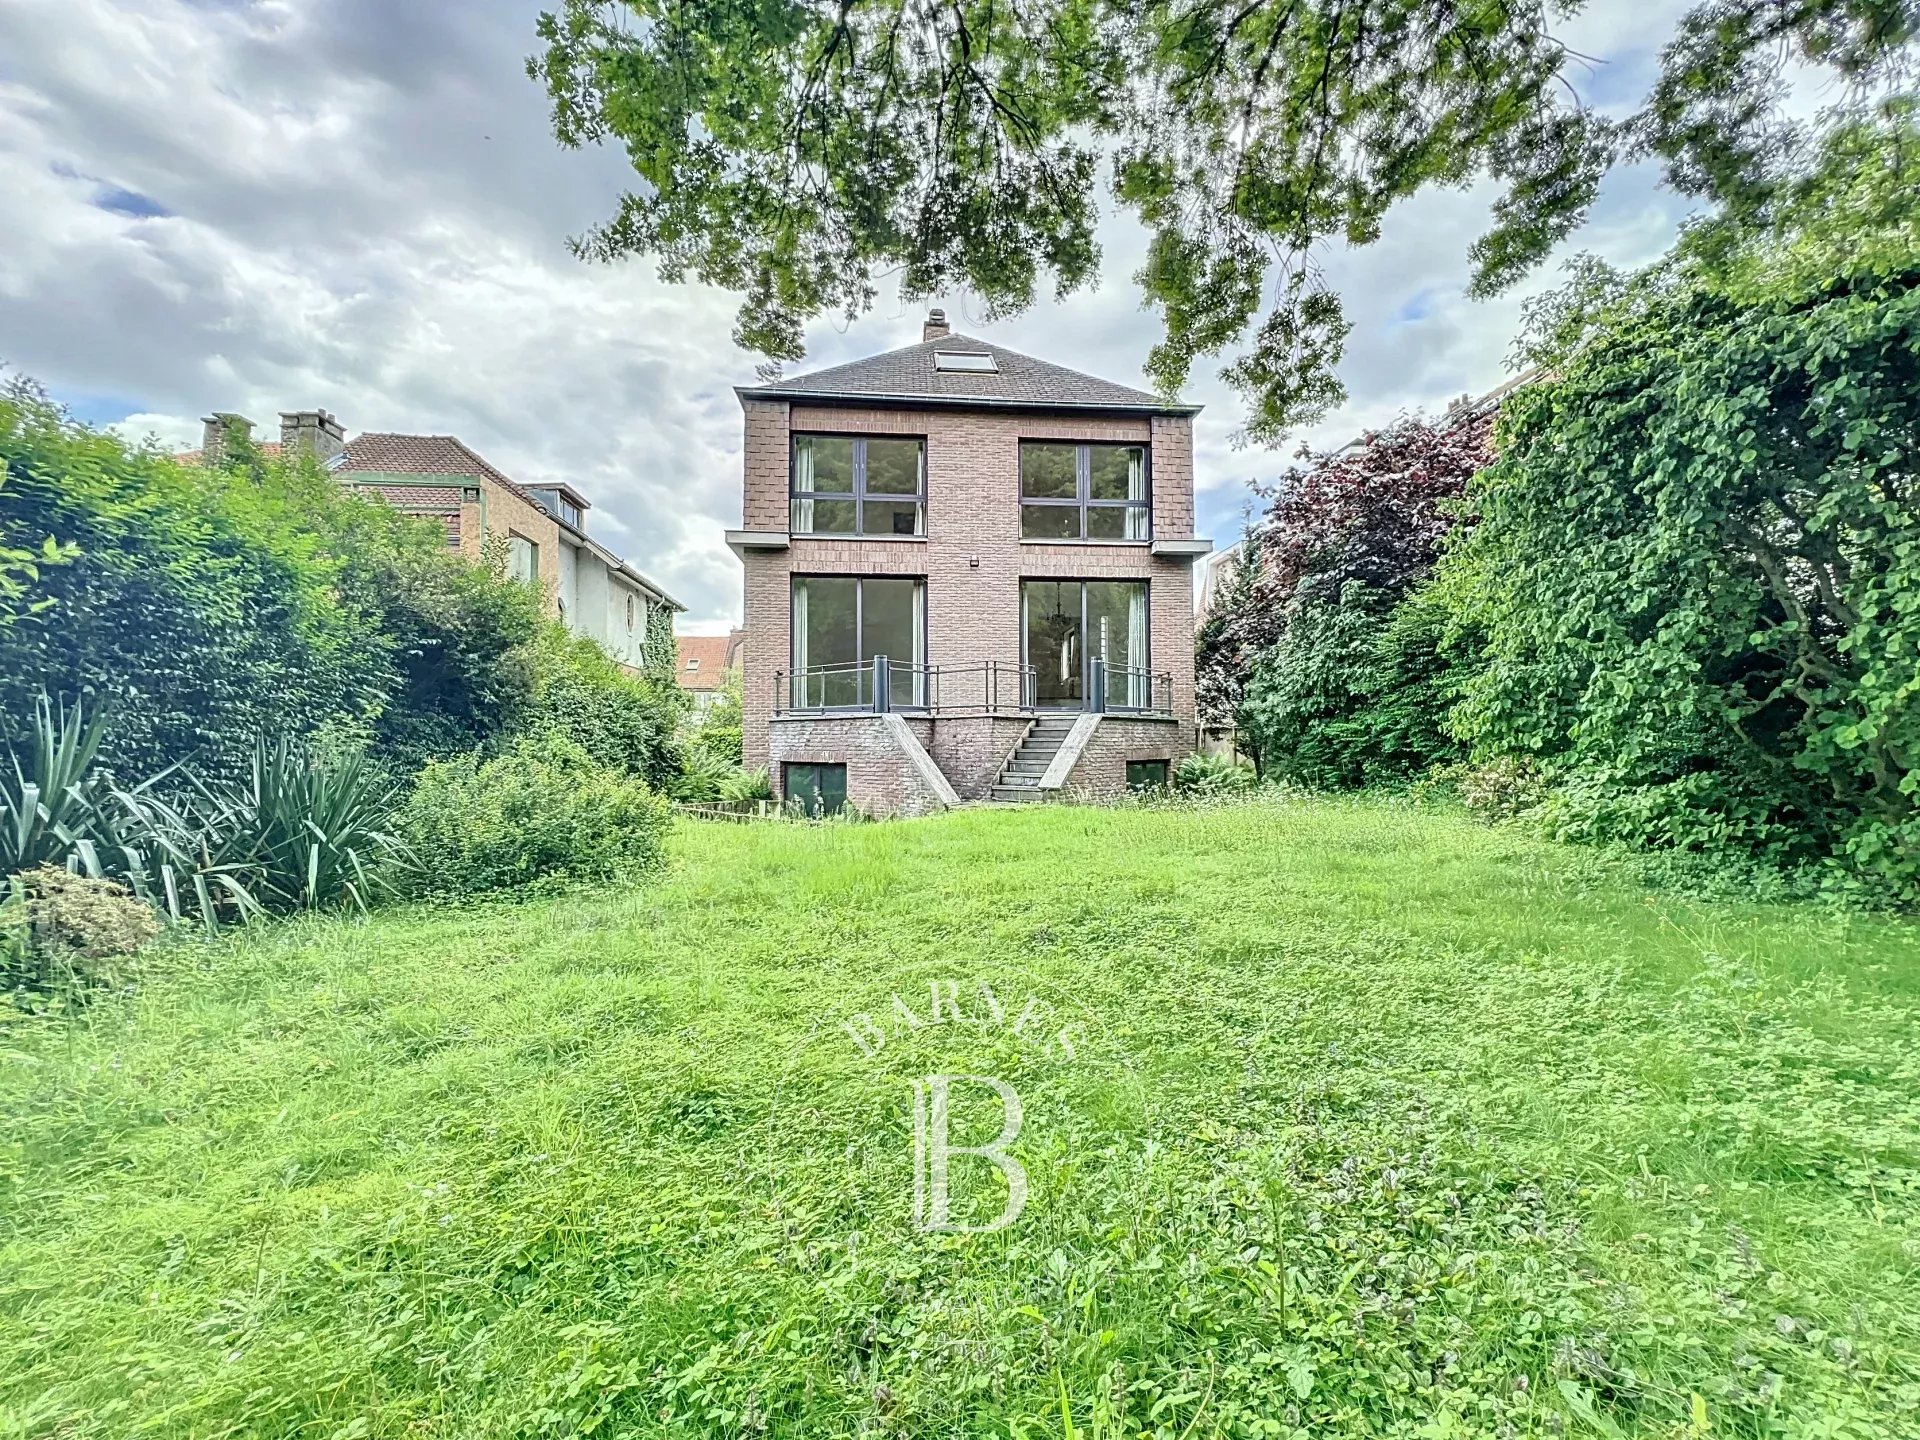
936,327
311,432
214,431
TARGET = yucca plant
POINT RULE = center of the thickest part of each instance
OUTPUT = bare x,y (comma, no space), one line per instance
318,830
49,806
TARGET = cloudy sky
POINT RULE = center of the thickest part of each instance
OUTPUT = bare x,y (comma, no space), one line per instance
259,205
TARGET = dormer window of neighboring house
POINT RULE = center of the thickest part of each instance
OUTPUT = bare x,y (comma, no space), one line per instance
1083,492
855,485
570,512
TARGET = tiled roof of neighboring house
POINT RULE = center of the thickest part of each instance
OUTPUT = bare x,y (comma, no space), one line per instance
701,661
1016,380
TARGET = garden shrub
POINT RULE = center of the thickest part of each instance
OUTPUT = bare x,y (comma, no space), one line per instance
207,605
1717,646
543,811
1354,693
743,785
65,930
581,695
1212,775
703,776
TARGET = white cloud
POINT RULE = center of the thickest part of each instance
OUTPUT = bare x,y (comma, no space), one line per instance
359,205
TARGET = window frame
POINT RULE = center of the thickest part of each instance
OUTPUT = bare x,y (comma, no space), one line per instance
859,638
859,494
787,769
1165,780
1083,502
1086,655
532,577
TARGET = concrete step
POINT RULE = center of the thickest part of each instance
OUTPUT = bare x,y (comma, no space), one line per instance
1017,794
1024,769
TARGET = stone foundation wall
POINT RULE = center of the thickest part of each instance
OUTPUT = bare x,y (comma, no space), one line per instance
972,748
881,780
1101,770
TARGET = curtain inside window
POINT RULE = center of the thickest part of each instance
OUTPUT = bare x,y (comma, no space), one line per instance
1137,678
800,690
802,517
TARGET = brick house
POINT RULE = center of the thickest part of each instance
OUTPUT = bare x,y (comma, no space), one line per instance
968,577
543,527
702,663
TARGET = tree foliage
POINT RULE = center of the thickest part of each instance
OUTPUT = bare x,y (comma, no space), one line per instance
792,150
204,607
1301,636
1697,561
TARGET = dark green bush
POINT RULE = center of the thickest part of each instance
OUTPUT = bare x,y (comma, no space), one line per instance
582,696
1199,774
206,606
1354,693
542,811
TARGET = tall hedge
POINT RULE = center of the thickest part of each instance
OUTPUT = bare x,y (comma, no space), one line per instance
205,607
1697,564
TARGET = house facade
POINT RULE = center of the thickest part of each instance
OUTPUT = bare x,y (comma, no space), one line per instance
702,663
541,528
968,577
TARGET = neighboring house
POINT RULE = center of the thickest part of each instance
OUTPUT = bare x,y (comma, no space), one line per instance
701,665
968,576
543,527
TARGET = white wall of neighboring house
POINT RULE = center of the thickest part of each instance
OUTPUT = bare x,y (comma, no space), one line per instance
626,622
567,587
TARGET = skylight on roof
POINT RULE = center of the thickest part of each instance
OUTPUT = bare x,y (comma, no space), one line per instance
965,360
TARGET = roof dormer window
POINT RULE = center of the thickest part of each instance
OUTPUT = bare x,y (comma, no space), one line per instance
974,360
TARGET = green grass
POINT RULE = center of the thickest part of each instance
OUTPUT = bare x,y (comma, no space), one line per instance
1376,1122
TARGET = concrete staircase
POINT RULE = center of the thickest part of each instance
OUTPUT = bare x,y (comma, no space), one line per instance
1020,780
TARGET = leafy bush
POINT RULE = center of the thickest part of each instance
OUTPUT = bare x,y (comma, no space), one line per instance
299,831
718,731
1718,646
65,929
703,775
582,696
302,831
542,811
744,785
1212,775
205,606
1353,694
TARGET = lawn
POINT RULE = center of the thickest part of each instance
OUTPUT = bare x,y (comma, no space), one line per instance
1337,1118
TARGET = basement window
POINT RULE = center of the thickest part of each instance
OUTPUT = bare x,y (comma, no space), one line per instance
972,360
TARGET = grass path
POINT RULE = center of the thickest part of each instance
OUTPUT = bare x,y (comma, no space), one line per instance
1368,1121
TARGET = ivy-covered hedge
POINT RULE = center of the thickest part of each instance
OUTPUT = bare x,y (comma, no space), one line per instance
1697,565
204,607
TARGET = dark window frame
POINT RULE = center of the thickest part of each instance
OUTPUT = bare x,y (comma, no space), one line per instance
859,494
1165,768
787,776
859,635
1086,656
1083,501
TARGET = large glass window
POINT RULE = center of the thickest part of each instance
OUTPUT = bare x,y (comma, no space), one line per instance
840,623
1067,624
853,485
815,789
1083,492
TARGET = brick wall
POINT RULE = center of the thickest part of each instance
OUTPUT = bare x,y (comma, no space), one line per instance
1101,770
972,556
880,780
970,750
506,513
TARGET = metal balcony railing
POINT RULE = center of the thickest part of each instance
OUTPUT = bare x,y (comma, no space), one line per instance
984,687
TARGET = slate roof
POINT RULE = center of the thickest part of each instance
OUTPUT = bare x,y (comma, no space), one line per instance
908,374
